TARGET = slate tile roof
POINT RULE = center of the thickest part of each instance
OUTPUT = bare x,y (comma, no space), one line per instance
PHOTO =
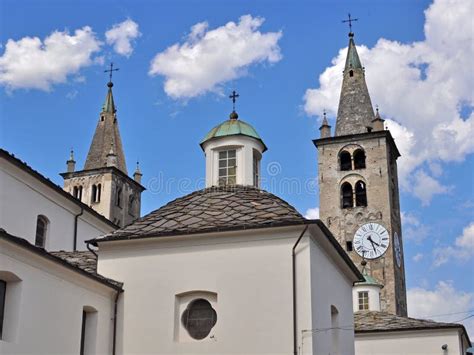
371,321
84,260
210,210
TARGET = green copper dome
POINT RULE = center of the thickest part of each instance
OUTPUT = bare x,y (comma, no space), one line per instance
233,127
369,280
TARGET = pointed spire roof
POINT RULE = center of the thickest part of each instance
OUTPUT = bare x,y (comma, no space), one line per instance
355,113
352,59
109,105
106,135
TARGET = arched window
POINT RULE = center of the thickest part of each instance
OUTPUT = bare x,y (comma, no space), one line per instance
359,159
345,160
346,195
77,192
41,231
95,194
351,73
361,194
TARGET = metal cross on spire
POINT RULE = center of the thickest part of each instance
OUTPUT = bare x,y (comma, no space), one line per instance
110,71
234,96
350,20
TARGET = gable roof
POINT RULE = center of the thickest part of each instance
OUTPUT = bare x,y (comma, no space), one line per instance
82,262
212,209
44,180
371,321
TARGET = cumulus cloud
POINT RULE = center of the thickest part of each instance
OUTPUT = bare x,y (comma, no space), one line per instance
209,58
122,35
30,63
462,250
431,304
424,90
413,229
312,213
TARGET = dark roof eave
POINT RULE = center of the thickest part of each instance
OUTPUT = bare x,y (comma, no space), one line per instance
17,162
401,329
178,233
237,134
41,252
351,137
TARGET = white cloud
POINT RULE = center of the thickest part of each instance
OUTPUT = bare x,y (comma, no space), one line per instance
413,229
312,213
429,304
31,63
421,88
425,187
417,257
209,58
462,250
122,35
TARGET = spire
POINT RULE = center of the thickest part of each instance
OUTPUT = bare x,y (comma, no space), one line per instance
137,175
71,163
106,135
325,128
378,121
355,113
109,105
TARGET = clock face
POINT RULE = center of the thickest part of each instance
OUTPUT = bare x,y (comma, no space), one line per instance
398,249
371,241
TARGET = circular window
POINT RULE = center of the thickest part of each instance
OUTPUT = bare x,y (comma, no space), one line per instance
199,318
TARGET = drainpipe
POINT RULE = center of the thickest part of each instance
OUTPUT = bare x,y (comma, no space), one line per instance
91,250
76,218
115,322
293,256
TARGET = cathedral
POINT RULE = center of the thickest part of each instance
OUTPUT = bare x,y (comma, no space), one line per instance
227,269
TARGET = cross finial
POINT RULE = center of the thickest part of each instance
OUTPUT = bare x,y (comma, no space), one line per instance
350,20
110,71
234,96
377,108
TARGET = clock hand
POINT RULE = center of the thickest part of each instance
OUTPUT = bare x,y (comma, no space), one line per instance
370,240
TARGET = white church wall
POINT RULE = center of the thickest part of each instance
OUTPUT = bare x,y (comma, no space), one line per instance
420,342
23,198
332,328
248,272
44,304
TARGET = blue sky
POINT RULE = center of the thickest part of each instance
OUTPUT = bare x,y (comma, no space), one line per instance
286,65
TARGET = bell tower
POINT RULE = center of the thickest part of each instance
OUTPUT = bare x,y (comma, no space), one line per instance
104,183
358,186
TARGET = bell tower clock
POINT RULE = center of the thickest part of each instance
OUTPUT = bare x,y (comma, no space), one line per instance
358,186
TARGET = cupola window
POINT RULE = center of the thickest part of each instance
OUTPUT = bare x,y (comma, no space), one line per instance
256,169
227,167
363,301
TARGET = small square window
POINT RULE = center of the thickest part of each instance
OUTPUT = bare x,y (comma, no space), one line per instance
349,245
363,300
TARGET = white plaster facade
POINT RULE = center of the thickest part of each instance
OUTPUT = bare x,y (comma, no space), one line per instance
23,197
44,304
248,277
246,149
419,342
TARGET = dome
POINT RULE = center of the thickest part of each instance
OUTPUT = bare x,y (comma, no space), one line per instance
212,209
233,127
369,281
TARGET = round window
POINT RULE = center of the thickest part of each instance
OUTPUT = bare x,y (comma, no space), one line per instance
199,318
